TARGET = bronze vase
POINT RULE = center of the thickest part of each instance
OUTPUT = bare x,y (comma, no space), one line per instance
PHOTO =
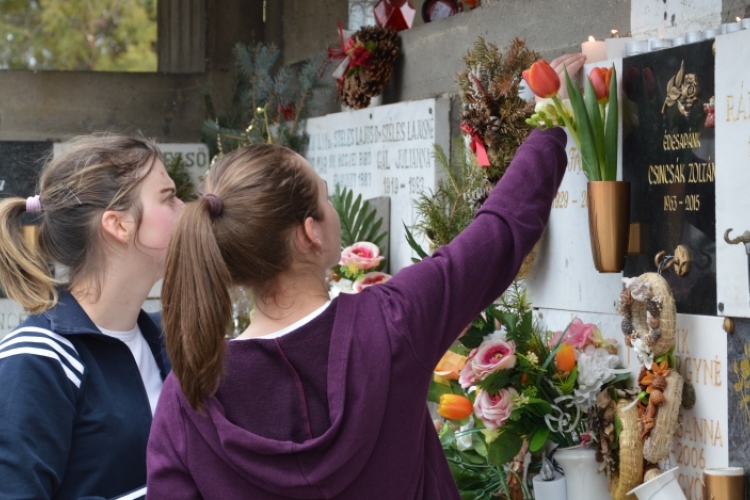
609,224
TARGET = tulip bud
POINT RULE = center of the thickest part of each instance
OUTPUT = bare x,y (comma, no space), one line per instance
565,359
542,79
454,407
600,80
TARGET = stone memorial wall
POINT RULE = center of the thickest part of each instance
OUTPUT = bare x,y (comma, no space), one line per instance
383,151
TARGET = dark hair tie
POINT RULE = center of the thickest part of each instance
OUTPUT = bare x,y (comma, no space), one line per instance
215,205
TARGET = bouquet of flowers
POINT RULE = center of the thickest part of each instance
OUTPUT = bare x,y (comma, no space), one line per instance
357,269
508,387
591,117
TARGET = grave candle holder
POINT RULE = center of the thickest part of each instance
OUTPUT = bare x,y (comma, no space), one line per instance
655,44
637,47
694,37
727,483
745,23
709,34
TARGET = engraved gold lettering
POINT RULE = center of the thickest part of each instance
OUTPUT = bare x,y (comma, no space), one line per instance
730,109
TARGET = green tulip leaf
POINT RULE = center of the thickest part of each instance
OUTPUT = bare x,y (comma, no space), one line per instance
595,119
585,137
611,128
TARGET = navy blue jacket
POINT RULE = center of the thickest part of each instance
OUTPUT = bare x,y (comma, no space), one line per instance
74,414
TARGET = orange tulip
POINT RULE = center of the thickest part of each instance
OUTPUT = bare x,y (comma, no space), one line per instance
449,367
454,407
565,359
542,79
600,80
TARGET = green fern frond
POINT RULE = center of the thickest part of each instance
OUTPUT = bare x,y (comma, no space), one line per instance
357,219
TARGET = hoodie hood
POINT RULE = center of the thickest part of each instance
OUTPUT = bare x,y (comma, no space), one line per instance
358,371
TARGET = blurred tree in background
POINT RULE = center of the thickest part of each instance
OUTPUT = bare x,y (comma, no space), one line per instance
81,35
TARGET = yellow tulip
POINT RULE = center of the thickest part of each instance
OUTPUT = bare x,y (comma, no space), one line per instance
449,367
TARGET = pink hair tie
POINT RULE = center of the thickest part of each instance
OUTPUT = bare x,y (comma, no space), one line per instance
33,204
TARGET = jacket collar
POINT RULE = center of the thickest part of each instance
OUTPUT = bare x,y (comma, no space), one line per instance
69,318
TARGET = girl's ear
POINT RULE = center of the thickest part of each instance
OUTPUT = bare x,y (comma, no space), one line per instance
311,233
116,225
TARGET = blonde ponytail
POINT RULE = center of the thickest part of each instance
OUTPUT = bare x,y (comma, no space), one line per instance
24,275
196,304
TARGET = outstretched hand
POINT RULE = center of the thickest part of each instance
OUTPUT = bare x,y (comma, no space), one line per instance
574,63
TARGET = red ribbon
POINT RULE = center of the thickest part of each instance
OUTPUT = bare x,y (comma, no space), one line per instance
336,51
477,145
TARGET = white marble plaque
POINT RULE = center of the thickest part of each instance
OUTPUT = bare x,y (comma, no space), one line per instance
11,315
564,276
732,173
671,18
383,151
701,441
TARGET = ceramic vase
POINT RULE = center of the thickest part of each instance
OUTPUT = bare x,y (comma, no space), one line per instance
582,479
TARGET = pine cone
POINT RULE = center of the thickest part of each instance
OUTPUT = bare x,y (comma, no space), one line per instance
653,308
352,94
626,326
387,47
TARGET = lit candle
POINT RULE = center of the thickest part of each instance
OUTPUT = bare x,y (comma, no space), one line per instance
594,51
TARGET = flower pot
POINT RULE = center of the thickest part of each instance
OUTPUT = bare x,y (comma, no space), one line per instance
609,224
662,487
727,483
582,478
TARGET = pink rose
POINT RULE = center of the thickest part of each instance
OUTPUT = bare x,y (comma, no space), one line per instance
361,256
492,355
369,279
494,410
578,334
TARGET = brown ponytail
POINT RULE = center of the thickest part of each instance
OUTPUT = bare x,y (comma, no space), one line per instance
91,175
265,192
198,320
23,270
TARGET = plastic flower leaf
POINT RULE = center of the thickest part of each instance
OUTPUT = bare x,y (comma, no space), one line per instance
597,125
454,407
542,79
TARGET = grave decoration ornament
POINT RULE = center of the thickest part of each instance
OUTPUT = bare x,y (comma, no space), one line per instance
368,58
527,387
591,118
395,14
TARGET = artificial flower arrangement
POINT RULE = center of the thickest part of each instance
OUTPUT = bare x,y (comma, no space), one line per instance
357,269
591,117
508,387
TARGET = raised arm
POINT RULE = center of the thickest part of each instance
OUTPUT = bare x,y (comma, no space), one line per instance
431,302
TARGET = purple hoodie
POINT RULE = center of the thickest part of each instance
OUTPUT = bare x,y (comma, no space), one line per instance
336,409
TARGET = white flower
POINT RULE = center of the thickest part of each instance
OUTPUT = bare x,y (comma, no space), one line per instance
643,352
637,288
595,368
463,443
497,334
341,286
532,358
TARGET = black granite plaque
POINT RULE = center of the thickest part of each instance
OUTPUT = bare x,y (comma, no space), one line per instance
668,157
738,400
20,165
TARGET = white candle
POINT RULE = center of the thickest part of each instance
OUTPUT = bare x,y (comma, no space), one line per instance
616,46
594,51
550,490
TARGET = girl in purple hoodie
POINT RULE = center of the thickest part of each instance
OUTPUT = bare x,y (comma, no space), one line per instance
318,398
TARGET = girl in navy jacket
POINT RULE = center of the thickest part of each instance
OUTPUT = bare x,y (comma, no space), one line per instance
81,376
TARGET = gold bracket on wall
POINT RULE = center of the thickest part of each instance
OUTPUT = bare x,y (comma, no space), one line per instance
680,261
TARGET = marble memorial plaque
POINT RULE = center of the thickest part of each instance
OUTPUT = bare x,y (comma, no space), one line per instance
11,315
195,157
706,436
733,174
669,159
383,151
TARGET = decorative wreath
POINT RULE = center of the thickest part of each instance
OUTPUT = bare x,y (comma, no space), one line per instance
368,58
649,315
